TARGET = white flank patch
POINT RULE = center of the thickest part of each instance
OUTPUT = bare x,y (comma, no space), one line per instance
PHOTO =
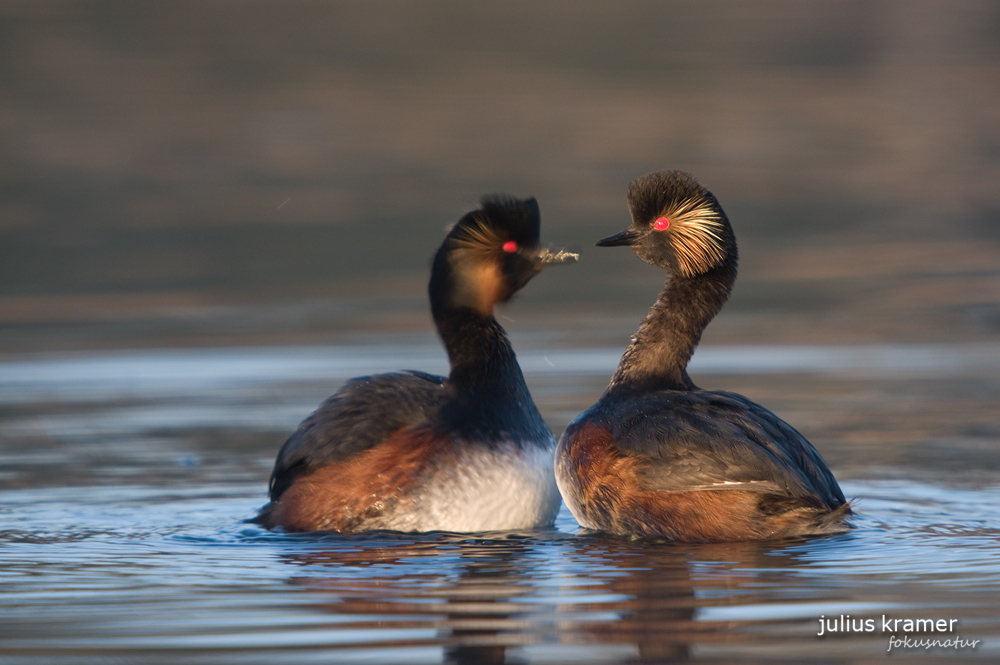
506,488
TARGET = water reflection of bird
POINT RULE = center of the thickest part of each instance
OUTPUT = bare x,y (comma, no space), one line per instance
409,451
472,591
657,456
666,600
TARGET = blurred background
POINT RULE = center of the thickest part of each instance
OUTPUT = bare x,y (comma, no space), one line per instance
225,173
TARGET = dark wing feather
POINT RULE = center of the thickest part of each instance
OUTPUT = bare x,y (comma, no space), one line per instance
702,439
358,417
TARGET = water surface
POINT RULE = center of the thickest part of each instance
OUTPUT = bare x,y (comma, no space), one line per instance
128,477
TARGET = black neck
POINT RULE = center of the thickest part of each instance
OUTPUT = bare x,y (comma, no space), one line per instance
488,386
479,352
659,353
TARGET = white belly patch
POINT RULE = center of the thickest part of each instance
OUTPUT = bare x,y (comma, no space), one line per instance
489,489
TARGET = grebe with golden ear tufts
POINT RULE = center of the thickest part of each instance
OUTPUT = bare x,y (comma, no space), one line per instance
409,451
657,456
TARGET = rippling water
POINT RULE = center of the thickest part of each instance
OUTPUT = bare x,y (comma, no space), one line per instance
129,476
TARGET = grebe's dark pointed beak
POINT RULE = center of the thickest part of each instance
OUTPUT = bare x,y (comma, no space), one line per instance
629,236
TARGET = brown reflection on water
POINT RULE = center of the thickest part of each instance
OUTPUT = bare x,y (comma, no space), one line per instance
471,601
656,610
663,588
625,601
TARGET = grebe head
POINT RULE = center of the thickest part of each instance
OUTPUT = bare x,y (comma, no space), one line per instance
490,254
676,224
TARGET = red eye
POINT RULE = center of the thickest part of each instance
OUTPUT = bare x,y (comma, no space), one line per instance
510,247
661,224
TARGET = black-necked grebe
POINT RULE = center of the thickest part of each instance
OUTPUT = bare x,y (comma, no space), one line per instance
657,456
409,451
